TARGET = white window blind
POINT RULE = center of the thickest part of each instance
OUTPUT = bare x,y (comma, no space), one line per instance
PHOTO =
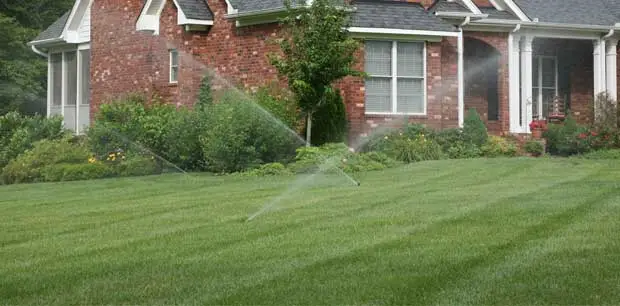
396,77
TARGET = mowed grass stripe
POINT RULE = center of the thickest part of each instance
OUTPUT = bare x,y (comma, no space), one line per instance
399,238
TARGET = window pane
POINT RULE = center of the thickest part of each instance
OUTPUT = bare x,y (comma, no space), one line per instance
71,66
379,95
535,71
548,72
410,96
85,86
548,95
535,100
56,85
378,58
410,59
174,57
174,74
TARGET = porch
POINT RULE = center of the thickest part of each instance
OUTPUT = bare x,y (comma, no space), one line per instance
536,77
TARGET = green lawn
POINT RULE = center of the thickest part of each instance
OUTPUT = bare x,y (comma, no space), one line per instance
498,231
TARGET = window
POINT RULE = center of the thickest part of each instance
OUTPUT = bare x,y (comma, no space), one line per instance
396,83
71,84
544,84
174,66
56,79
85,77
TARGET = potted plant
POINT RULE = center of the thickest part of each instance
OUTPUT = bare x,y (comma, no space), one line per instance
534,148
537,127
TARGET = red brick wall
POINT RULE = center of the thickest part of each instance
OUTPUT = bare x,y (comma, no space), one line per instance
125,61
498,41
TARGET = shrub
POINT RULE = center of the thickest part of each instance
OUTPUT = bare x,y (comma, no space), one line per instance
279,103
564,139
368,162
27,167
241,137
138,166
205,95
270,169
410,150
498,146
329,121
19,132
75,172
602,154
534,147
474,130
181,142
606,118
310,159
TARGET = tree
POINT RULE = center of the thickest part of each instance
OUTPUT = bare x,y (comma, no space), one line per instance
317,51
205,95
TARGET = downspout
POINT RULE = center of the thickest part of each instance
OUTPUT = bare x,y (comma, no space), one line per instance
608,35
39,52
461,73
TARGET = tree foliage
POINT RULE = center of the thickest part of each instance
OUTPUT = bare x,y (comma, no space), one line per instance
316,51
22,72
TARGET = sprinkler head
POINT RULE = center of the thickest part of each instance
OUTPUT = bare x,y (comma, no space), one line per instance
358,183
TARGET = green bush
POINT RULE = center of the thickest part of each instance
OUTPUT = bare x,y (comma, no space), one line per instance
602,154
27,167
205,95
474,130
418,149
369,161
131,125
566,139
241,136
329,121
279,103
18,133
498,146
270,169
76,172
138,166
534,147
321,158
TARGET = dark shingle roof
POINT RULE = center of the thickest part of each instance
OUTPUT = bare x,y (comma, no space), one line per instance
445,6
55,29
396,15
495,14
196,9
245,6
590,12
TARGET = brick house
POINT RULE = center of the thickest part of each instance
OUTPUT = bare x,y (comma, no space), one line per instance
428,61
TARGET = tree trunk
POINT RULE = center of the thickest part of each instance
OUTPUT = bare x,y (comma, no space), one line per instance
308,128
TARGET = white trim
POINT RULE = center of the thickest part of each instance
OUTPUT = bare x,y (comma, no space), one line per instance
49,85
63,86
78,93
85,46
526,82
148,22
516,10
170,66
70,32
394,77
230,9
498,4
514,77
611,67
461,79
460,14
401,32
471,6
183,20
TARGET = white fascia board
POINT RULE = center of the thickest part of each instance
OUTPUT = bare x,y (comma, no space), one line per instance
401,32
499,5
71,17
472,6
461,15
148,22
230,8
516,10
544,25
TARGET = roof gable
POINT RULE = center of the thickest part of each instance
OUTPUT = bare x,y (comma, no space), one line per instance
54,30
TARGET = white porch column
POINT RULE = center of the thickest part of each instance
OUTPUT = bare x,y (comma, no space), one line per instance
597,66
63,86
611,69
526,82
49,85
461,80
514,77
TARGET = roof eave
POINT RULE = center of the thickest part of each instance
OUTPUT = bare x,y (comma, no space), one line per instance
461,15
47,41
270,11
547,25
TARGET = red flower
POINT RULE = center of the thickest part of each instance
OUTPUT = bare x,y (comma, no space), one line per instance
582,135
593,133
538,124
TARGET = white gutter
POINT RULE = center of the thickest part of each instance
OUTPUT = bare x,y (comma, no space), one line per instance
268,11
461,73
554,25
39,52
46,41
460,14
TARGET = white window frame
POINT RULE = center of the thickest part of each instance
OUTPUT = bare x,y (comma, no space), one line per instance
171,66
539,86
395,77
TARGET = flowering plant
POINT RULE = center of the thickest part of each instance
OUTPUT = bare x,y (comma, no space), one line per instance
538,124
